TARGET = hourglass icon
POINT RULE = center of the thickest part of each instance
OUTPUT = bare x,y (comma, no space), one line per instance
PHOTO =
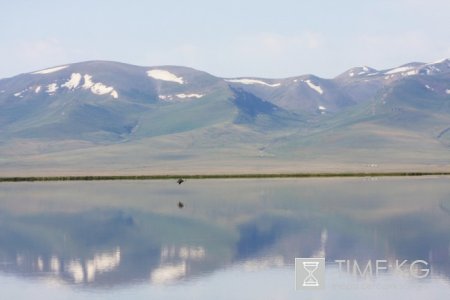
310,267
309,273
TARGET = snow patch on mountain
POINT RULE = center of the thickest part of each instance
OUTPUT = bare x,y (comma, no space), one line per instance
50,70
359,71
96,88
165,97
322,109
114,94
73,82
87,82
424,69
363,70
435,68
252,81
183,96
180,96
51,88
20,94
410,73
439,61
313,86
101,89
165,76
398,70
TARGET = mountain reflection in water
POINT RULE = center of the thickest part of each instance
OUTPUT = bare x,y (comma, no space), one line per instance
102,234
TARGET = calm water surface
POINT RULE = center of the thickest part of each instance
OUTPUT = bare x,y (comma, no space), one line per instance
233,239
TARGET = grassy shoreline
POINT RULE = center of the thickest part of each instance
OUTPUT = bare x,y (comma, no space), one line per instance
219,176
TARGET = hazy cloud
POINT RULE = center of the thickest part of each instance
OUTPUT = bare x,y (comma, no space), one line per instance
387,50
40,53
250,39
277,44
35,54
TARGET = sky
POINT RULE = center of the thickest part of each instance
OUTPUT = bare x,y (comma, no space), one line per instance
232,38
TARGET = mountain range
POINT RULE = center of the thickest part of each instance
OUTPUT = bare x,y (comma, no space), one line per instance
101,117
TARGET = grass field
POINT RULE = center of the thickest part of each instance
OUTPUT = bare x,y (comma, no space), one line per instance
220,176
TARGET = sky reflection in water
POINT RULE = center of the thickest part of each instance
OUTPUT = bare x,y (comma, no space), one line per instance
233,238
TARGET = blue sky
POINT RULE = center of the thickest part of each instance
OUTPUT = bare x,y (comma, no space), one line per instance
226,38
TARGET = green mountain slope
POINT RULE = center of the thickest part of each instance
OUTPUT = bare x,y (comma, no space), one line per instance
103,117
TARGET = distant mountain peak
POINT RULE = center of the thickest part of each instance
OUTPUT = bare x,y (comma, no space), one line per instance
440,61
357,72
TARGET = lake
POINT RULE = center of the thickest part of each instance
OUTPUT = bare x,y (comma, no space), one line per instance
381,238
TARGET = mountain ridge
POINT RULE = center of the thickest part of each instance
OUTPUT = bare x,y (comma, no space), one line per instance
91,115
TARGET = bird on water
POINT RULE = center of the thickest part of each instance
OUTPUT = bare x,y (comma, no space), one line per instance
180,204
